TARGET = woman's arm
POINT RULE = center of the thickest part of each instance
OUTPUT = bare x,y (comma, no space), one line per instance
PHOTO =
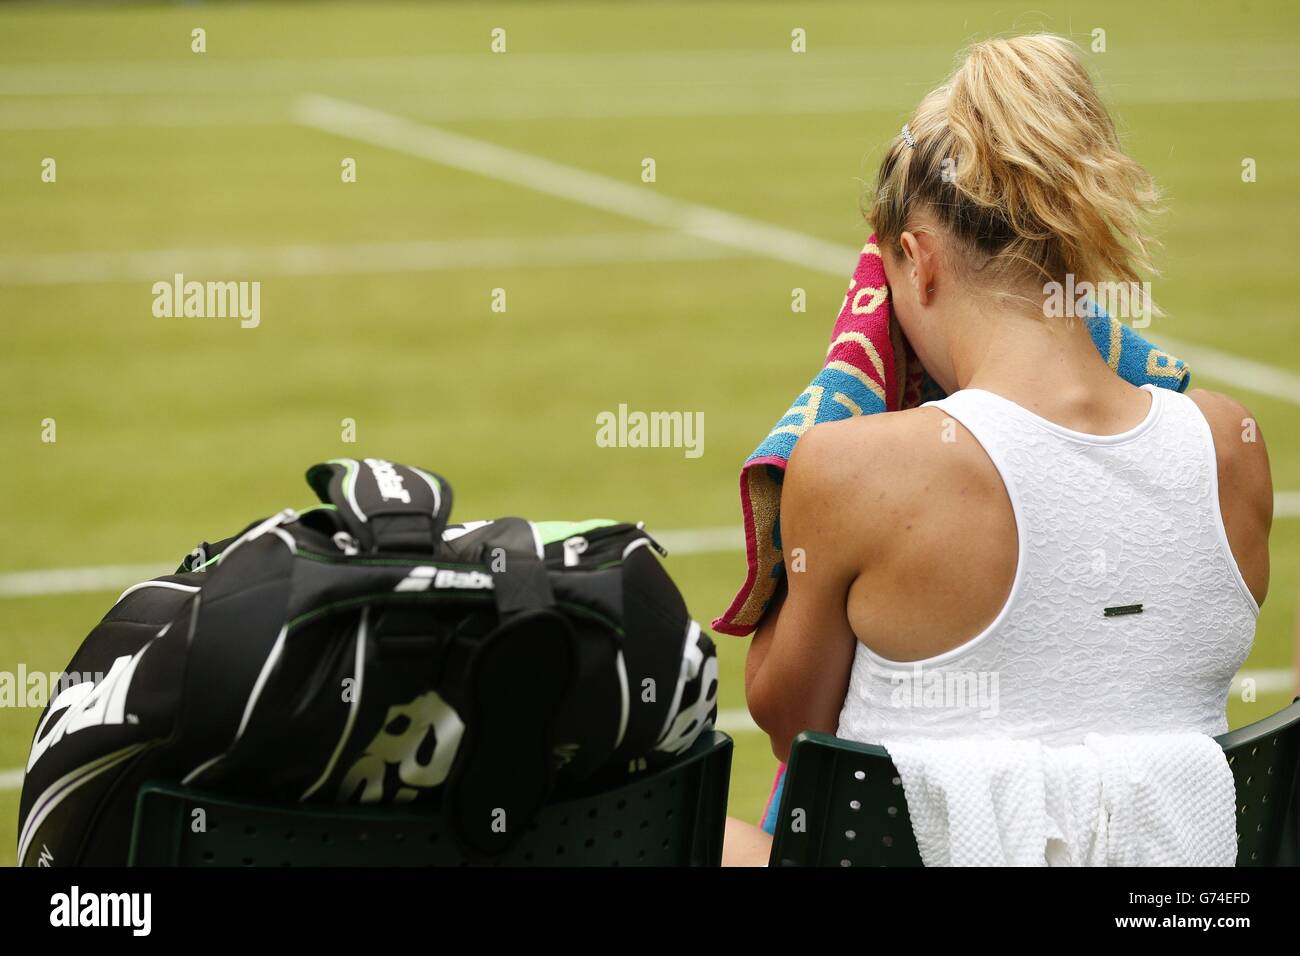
761,642
797,672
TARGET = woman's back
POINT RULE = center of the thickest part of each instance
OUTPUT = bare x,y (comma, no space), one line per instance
1044,582
901,538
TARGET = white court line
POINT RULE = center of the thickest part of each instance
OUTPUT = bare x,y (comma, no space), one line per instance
482,158
13,779
1261,71
1235,371
357,258
109,577
641,202
1274,680
702,540
455,106
1286,504
455,254
735,721
114,577
724,539
454,72
417,256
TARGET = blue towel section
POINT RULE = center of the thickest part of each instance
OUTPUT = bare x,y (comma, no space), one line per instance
774,804
1140,362
832,383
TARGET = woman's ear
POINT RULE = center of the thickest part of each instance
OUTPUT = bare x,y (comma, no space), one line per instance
919,265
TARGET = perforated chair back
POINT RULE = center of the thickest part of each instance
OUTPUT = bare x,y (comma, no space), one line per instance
671,817
1265,761
842,805
843,802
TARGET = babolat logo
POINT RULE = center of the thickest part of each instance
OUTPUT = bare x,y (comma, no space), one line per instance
86,705
76,908
421,578
389,481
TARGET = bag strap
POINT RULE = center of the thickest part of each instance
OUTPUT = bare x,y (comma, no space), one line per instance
385,506
517,680
504,771
513,553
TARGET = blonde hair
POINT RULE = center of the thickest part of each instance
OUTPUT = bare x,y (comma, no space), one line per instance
1018,158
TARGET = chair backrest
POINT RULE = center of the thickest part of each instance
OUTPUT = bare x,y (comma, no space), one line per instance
672,817
842,805
843,802
1265,761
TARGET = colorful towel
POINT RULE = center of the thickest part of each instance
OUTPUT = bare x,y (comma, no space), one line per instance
870,367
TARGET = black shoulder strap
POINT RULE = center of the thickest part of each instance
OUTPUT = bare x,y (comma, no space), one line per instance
384,505
516,682
504,769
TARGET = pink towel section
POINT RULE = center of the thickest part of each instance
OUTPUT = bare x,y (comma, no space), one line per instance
869,368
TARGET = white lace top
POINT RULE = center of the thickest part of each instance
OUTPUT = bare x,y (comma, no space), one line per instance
1127,613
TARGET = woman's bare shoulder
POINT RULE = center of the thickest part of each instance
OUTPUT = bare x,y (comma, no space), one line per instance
1245,484
870,453
1238,444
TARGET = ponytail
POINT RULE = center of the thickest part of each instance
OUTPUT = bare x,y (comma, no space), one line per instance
1018,158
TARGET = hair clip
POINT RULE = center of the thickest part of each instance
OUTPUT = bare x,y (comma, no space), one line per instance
908,137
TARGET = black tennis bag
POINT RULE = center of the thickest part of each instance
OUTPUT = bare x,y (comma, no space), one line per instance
365,651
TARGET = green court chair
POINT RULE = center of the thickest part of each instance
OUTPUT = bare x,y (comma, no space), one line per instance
671,817
1265,761
855,813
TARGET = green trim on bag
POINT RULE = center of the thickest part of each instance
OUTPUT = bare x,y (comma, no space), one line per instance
349,479
552,531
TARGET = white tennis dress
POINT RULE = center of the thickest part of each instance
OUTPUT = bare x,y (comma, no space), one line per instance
1127,615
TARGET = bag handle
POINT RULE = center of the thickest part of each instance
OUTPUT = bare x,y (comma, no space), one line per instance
513,554
384,505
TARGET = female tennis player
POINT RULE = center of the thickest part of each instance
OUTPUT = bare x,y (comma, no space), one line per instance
1101,548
